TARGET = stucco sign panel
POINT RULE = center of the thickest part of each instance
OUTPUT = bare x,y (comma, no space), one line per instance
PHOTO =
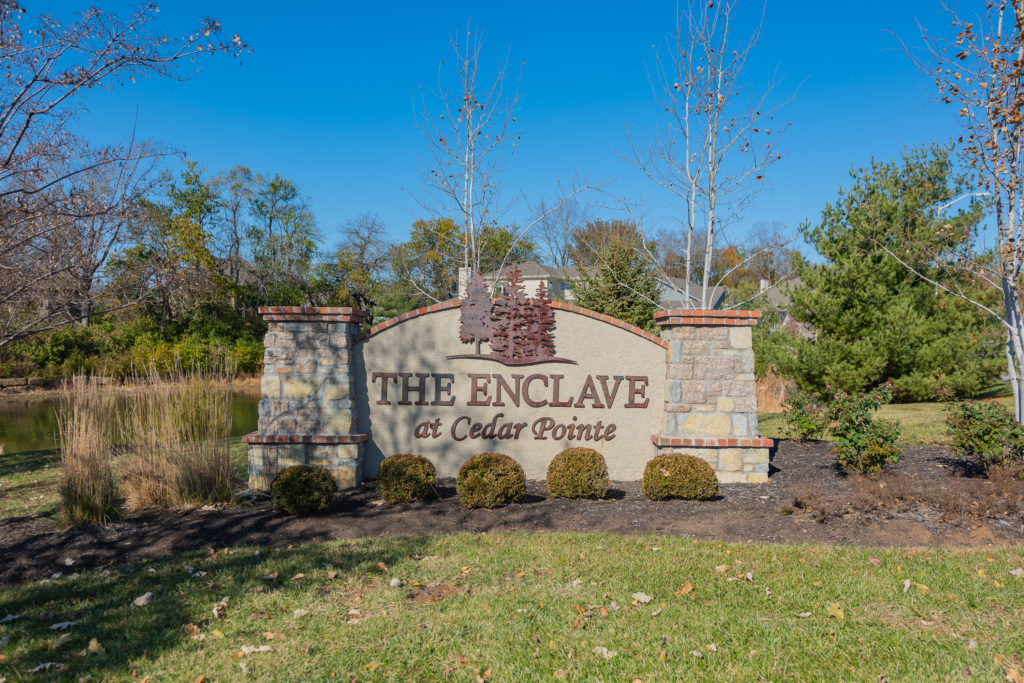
527,381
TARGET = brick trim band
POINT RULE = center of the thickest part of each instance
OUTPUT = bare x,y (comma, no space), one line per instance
300,314
557,305
711,442
318,439
696,316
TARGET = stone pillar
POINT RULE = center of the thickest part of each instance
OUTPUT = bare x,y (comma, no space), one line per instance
306,413
710,393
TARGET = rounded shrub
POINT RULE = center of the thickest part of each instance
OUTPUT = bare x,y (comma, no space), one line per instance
674,475
404,477
578,473
302,490
490,480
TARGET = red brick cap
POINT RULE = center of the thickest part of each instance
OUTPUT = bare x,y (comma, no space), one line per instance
711,441
557,305
313,314
698,316
316,439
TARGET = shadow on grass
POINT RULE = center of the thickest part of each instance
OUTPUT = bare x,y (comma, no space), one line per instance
28,461
101,606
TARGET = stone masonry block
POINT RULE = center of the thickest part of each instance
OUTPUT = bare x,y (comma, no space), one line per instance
270,386
334,389
747,362
681,370
683,332
694,392
350,451
688,349
297,388
745,404
706,425
339,423
714,368
725,404
739,425
345,478
741,337
716,333
674,391
305,366
730,460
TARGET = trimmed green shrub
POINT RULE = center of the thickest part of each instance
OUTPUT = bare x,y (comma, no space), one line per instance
404,477
860,441
985,432
578,473
674,475
302,490
490,480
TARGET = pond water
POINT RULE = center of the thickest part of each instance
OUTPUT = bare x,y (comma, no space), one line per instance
29,425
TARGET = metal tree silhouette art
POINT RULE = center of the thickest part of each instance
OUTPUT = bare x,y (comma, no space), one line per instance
475,318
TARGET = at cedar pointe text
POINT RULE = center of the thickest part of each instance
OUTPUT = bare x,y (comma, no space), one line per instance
493,389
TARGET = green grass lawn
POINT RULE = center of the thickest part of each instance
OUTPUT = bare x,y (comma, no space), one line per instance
924,424
513,607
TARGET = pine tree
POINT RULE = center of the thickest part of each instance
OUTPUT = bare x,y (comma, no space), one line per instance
542,339
509,317
475,317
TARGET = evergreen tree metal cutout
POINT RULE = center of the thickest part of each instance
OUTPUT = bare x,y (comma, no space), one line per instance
520,329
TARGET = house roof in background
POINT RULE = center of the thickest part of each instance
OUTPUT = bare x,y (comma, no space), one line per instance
531,270
778,294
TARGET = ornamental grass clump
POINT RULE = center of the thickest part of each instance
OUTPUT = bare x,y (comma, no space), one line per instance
405,477
578,473
89,489
861,442
302,490
674,475
490,480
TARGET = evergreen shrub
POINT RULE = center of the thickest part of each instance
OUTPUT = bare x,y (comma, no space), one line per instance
674,475
490,480
302,490
578,473
405,477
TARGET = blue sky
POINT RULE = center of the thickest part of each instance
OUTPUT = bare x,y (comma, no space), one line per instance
327,99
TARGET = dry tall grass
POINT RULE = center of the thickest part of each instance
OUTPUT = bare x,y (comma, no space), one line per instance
771,393
89,492
179,431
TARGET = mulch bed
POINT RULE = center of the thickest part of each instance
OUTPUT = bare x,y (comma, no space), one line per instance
927,498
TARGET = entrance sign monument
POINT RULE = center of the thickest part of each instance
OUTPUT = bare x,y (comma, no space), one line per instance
518,375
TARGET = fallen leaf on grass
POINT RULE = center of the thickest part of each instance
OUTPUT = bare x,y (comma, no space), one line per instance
972,644
906,585
270,577
722,568
63,640
62,626
269,635
220,609
834,610
191,629
1014,676
299,613
298,577
711,647
685,589
95,648
604,652
10,617
384,568
143,599
697,653
874,560
603,611
45,666
251,649
923,588
216,635
1019,571
372,666
641,597
803,615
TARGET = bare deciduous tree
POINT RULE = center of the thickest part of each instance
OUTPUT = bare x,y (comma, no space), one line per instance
471,135
52,183
980,70
719,141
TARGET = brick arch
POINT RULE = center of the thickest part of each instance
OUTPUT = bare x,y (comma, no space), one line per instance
557,305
